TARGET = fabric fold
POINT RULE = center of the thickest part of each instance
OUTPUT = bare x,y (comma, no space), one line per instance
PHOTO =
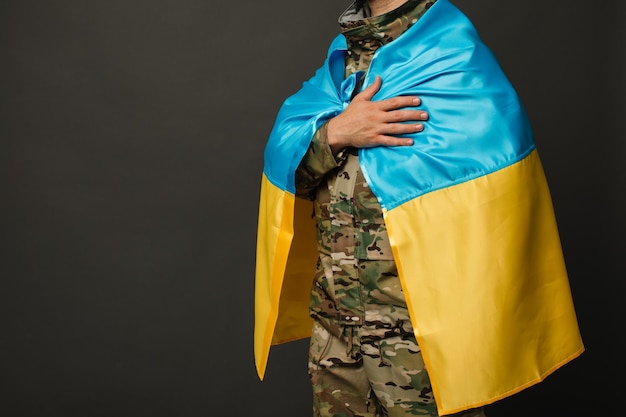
468,211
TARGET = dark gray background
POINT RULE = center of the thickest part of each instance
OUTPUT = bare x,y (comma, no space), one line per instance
131,136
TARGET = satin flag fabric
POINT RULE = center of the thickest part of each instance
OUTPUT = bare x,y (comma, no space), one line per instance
468,211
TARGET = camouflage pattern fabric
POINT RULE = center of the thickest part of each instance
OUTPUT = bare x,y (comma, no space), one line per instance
366,34
336,184
363,359
368,362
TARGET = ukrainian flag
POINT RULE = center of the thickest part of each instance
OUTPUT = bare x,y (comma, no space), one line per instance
468,212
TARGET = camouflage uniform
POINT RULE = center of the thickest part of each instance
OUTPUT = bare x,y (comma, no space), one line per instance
364,359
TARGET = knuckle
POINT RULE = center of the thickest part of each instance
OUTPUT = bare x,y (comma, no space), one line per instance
397,102
395,117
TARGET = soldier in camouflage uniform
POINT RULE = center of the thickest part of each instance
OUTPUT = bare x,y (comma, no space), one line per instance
364,359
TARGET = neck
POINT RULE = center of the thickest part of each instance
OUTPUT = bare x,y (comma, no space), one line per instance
379,7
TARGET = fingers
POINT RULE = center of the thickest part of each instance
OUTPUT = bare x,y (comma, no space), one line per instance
401,142
401,122
399,102
392,141
403,128
370,90
397,116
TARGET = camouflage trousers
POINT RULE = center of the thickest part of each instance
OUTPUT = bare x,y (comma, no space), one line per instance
364,359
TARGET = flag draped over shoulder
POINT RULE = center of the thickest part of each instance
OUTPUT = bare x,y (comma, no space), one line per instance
467,208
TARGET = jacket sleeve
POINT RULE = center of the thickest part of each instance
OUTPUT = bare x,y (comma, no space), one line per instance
316,164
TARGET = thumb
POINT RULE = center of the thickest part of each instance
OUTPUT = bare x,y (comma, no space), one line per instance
371,89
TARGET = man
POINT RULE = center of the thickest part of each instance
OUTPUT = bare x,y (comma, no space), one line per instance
440,285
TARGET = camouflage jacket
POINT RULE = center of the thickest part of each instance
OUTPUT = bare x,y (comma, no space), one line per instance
349,218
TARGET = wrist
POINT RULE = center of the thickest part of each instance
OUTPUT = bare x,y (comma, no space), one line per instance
334,141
